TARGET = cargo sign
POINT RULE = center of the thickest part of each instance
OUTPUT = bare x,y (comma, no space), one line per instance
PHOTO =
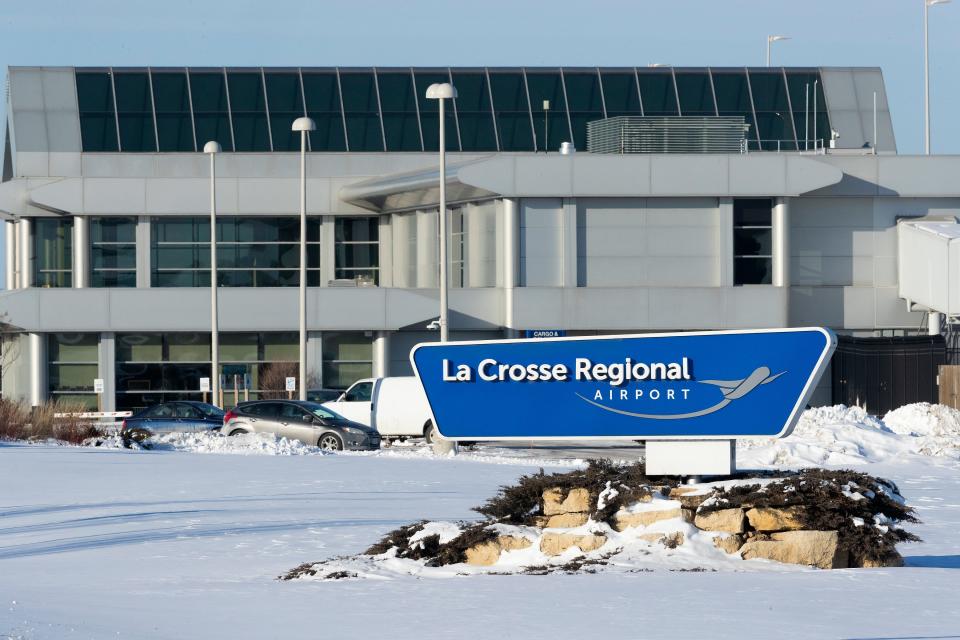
725,384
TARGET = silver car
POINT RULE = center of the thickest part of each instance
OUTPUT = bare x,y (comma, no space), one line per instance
308,422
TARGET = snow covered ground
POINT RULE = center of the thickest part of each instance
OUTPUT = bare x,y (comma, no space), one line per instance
186,541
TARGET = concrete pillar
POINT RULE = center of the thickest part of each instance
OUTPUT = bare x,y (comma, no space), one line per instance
428,265
38,368
781,243
511,260
381,354
315,360
385,228
725,243
328,256
933,323
10,255
25,242
569,249
143,252
401,250
106,369
81,252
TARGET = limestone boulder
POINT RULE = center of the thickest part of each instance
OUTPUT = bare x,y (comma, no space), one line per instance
689,497
776,519
557,501
487,553
729,543
893,560
813,548
553,544
726,520
566,520
623,520
672,540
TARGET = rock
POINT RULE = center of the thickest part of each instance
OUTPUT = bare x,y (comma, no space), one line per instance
813,548
623,520
566,520
688,497
688,515
671,540
776,519
728,520
487,553
556,501
729,543
893,560
554,544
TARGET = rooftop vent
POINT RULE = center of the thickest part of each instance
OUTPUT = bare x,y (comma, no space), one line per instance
667,134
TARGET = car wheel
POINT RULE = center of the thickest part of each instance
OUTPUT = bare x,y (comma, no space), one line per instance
429,432
330,442
237,432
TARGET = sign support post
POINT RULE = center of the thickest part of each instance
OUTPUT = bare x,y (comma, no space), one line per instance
691,457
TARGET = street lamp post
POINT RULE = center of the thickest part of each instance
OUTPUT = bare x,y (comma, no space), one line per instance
770,41
212,148
303,125
442,91
926,71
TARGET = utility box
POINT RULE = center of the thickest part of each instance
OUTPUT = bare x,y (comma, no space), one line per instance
928,263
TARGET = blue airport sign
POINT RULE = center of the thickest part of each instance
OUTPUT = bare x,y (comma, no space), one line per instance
724,384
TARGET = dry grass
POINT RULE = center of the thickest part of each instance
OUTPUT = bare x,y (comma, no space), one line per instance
19,421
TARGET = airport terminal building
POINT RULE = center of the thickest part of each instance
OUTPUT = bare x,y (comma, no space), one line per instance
691,199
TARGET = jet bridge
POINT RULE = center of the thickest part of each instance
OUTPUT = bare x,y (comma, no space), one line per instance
928,258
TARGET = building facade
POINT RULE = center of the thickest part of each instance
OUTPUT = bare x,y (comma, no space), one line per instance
106,197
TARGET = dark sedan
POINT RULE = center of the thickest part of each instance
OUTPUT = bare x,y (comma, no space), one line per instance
182,416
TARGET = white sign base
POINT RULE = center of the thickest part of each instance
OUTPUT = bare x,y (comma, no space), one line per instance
691,457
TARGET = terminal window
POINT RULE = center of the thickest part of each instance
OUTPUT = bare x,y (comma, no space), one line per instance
752,241
357,249
113,252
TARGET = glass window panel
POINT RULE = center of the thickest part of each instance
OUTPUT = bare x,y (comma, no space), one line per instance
357,229
113,230
284,137
399,103
323,105
139,347
53,252
586,104
98,125
753,242
769,92
657,92
696,96
801,86
403,132
187,347
620,94
133,92
357,257
180,230
73,347
776,133
172,103
429,113
361,111
114,279
249,111
72,377
347,345
473,112
136,132
774,126
283,92
239,347
752,212
547,86
211,119
281,347
114,257
733,99
752,271
512,111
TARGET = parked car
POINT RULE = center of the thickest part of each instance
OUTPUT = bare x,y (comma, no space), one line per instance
396,407
168,417
309,422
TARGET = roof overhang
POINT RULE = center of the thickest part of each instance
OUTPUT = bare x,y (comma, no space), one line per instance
592,175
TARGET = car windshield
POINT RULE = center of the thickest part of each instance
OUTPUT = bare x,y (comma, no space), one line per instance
321,411
208,410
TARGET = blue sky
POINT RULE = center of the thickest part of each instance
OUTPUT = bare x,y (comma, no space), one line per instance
884,33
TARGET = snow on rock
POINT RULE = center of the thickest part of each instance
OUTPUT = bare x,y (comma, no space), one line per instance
445,531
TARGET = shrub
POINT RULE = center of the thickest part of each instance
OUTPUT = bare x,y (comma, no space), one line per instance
21,422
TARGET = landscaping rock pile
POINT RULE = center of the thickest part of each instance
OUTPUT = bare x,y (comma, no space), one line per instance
610,513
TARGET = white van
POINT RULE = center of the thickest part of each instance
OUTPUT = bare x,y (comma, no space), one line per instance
396,407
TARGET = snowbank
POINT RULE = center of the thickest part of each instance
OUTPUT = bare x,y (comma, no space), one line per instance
841,435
